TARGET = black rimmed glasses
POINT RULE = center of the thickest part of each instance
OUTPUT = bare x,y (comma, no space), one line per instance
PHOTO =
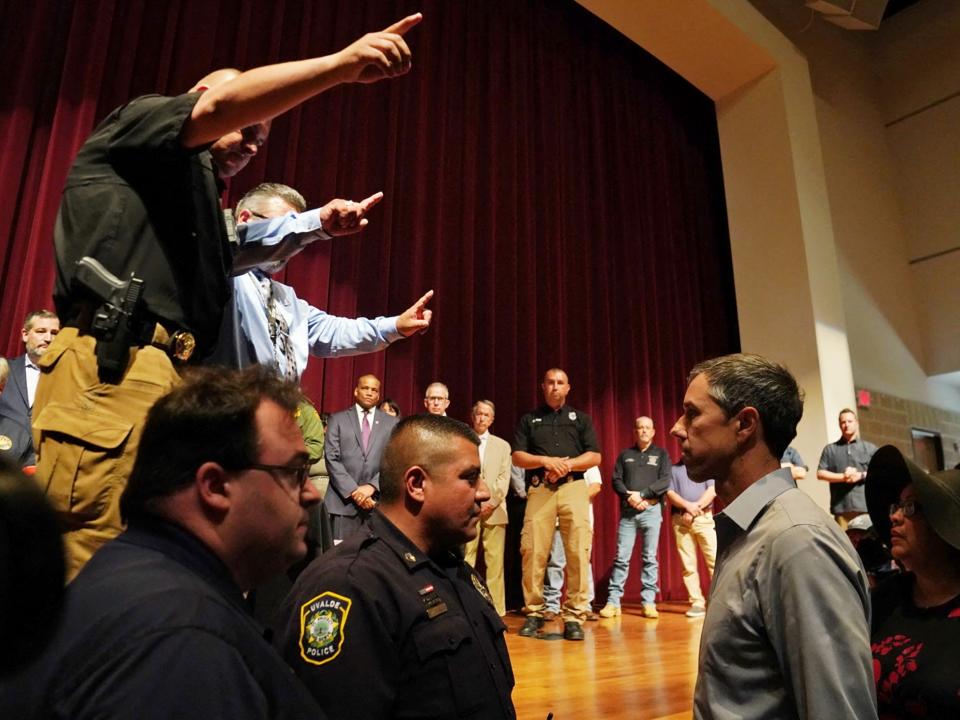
909,507
293,477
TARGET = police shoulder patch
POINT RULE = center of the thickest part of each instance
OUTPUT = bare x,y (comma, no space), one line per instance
323,620
481,587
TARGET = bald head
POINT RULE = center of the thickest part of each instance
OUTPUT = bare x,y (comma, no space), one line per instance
436,398
643,432
556,387
212,79
367,391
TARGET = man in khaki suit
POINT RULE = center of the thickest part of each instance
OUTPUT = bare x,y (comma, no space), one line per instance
495,468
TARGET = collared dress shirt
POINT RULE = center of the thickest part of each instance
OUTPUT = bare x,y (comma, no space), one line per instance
245,334
786,633
33,377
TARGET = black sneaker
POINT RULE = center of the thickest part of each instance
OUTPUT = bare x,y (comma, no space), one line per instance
531,626
572,631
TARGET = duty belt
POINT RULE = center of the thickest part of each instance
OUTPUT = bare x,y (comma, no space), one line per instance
178,344
538,480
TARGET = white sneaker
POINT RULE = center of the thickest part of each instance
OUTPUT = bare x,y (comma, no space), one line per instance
610,611
696,611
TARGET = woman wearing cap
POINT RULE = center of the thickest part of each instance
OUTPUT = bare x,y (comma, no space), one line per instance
916,615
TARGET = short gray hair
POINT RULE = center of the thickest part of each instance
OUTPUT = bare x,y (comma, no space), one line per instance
745,380
265,191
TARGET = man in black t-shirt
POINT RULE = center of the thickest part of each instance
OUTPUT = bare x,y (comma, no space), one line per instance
555,444
143,197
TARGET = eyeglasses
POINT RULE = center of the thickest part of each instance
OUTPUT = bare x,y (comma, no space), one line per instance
294,477
909,507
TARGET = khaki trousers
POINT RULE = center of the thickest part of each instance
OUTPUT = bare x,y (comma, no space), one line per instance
701,532
494,538
86,433
565,506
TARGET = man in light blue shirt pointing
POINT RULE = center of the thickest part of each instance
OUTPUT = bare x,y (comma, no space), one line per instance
268,323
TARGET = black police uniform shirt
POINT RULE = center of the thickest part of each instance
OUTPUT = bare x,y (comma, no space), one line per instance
556,433
644,471
155,628
377,629
137,201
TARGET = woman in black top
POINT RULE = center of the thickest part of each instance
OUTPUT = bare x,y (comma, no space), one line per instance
916,615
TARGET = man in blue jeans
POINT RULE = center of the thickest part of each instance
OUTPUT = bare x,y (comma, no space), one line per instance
641,478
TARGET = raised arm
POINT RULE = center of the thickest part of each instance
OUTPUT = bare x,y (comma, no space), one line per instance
263,93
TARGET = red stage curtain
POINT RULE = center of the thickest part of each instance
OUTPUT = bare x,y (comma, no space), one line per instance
558,188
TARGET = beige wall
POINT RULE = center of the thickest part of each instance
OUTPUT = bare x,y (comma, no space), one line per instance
918,57
815,102
894,189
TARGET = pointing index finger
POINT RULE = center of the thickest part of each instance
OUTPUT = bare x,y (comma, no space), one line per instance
402,26
424,300
371,201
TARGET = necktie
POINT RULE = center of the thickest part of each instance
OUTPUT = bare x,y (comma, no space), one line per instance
280,336
365,430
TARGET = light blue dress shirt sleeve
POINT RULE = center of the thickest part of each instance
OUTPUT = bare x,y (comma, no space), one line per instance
311,330
276,239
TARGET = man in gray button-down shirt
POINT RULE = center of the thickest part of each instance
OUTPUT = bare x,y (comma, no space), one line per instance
787,628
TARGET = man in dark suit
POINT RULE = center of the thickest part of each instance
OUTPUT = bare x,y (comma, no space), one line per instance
16,401
352,449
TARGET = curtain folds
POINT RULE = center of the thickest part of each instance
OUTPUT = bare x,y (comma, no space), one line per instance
558,188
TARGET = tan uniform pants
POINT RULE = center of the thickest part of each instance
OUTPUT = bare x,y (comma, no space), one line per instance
701,532
86,433
565,506
494,538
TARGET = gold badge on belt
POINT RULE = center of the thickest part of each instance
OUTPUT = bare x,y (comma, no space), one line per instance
182,345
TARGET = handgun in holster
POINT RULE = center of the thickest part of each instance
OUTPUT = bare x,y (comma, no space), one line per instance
115,322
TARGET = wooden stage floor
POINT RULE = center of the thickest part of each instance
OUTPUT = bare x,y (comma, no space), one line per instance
626,667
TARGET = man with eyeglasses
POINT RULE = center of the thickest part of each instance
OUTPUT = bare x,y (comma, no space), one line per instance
155,624
436,398
786,632
143,198
393,623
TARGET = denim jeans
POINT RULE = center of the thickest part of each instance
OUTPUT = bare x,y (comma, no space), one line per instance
648,523
553,582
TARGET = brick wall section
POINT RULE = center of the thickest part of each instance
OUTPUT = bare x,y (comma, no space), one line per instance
889,419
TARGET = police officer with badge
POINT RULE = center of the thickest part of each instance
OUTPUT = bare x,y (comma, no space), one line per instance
555,443
392,622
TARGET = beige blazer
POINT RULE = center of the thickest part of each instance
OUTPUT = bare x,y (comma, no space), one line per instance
496,474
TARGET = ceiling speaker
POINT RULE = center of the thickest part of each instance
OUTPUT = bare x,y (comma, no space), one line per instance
851,14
